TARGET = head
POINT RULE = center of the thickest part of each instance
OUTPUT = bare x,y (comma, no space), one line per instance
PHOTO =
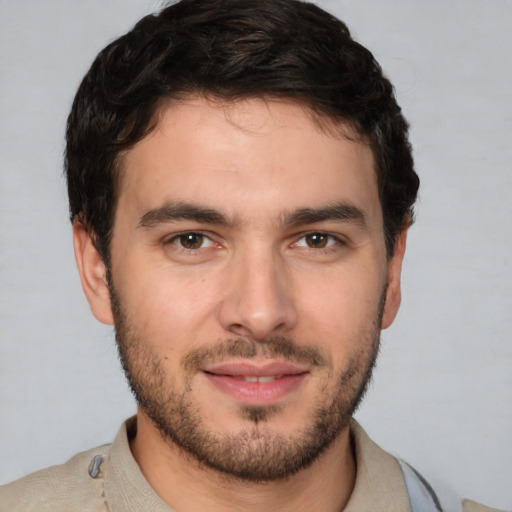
231,49
240,184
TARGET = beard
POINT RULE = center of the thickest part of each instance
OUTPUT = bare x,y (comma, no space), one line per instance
255,453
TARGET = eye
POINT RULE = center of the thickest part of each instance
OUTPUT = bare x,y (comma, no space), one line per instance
317,241
192,241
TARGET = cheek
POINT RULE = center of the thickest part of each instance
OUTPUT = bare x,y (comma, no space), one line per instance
341,308
170,311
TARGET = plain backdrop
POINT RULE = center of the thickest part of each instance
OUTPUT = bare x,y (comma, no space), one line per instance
442,393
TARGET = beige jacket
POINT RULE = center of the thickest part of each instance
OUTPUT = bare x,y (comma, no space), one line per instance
107,479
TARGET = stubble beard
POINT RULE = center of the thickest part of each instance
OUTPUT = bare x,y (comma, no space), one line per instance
256,453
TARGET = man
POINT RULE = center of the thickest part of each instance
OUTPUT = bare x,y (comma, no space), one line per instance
240,185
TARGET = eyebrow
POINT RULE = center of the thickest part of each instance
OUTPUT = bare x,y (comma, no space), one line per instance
171,212
344,212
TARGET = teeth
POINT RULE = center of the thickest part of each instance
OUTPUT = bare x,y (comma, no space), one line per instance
263,380
267,379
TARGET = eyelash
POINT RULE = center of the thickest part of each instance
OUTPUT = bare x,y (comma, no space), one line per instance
174,240
331,243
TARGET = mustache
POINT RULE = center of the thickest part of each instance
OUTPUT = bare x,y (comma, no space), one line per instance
278,347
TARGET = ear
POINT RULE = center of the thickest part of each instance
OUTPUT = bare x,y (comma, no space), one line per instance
93,274
393,292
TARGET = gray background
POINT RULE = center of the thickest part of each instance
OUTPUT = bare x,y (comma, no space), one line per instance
442,395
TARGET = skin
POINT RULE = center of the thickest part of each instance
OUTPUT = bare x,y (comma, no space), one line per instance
256,276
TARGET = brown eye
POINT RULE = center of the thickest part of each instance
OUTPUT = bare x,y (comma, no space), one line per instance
317,240
191,240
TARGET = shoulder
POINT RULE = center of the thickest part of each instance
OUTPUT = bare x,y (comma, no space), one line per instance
473,506
66,487
388,483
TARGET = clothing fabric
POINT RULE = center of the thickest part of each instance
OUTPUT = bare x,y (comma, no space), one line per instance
108,479
422,497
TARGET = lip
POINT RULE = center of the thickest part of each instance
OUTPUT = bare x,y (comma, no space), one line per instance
278,379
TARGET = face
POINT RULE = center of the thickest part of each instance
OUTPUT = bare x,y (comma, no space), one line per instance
249,282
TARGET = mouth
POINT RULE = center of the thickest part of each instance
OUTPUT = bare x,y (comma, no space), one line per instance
253,384
263,379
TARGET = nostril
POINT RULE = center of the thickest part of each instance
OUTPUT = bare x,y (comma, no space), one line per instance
240,330
257,309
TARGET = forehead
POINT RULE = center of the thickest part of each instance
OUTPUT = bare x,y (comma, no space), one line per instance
247,157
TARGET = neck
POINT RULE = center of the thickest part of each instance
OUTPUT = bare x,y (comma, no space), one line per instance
187,486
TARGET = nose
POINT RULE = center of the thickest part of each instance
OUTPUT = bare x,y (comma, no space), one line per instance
257,301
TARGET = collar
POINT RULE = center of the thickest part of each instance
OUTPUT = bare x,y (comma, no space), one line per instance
126,488
379,482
